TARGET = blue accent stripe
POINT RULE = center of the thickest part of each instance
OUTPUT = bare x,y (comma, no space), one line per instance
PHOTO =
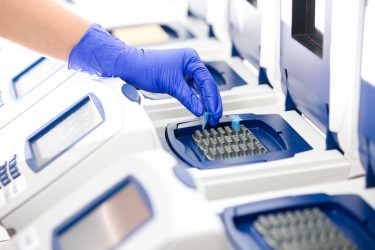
366,131
25,71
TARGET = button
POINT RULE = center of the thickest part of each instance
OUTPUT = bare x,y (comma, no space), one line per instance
131,93
12,163
3,176
5,181
15,175
3,166
3,171
13,169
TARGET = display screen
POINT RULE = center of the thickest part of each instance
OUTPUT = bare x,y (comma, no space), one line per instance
142,35
105,225
36,75
65,131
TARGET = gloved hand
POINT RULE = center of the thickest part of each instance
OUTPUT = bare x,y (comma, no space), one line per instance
177,72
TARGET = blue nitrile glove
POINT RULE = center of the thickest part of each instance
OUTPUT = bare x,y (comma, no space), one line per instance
177,72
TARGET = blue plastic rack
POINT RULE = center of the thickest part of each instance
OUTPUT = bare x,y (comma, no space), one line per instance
277,136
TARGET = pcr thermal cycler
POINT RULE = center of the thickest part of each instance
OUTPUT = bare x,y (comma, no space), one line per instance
26,80
331,216
81,119
196,31
132,203
176,23
275,148
118,14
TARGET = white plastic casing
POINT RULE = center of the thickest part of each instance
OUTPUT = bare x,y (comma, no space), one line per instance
125,130
346,50
355,186
181,218
308,168
114,13
14,59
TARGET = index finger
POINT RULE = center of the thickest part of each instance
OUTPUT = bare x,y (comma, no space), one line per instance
207,90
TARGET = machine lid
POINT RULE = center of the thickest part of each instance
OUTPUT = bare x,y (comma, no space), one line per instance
245,29
198,8
366,122
255,225
305,40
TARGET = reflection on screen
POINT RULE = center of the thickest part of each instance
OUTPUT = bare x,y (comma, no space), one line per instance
35,76
319,15
107,224
65,133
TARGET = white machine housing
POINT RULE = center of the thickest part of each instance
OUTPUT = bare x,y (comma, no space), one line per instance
178,216
27,78
361,54
46,171
129,14
115,13
207,21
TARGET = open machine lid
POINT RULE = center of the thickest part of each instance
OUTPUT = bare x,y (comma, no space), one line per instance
366,124
212,13
245,28
305,39
198,8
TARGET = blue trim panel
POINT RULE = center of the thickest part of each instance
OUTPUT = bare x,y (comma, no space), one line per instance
69,223
190,13
29,153
281,140
350,213
131,93
184,177
306,76
234,52
263,77
25,72
366,131
332,141
225,77
211,32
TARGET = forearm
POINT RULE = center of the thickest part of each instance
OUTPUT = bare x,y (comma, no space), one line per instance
41,25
